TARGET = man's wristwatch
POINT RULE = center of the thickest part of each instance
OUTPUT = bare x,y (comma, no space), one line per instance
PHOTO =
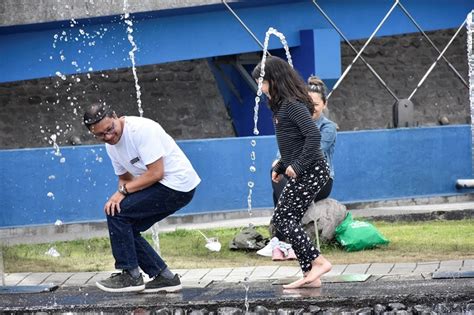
123,190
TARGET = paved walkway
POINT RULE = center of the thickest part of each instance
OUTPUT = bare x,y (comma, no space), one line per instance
274,272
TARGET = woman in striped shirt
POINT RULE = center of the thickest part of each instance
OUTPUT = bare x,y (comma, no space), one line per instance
302,163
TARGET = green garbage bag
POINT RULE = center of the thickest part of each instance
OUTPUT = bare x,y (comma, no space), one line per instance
358,235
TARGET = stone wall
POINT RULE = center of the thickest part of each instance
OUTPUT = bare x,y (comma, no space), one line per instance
361,102
184,97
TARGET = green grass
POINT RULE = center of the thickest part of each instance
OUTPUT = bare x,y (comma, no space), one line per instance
409,242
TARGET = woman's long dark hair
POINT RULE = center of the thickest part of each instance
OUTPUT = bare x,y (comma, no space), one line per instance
284,83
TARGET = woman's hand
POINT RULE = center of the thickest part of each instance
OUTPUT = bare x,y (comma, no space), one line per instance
113,205
290,172
276,177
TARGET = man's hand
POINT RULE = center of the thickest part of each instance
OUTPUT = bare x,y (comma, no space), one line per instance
290,172
113,205
276,177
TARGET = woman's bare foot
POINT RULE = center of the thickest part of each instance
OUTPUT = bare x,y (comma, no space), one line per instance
320,266
315,284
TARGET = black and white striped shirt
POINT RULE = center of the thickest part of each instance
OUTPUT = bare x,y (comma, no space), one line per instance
297,136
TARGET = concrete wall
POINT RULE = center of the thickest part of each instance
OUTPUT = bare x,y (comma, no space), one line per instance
182,96
361,102
14,12
40,186
185,99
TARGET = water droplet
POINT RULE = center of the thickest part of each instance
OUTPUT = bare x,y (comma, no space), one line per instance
250,184
62,76
252,169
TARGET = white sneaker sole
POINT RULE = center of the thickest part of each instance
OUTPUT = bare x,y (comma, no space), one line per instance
137,288
163,289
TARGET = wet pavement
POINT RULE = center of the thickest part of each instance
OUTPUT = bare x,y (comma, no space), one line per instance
257,290
436,287
262,294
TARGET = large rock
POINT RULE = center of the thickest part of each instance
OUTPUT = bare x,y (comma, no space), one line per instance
328,214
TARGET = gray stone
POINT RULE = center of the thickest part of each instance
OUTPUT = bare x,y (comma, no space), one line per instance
229,311
364,311
198,312
443,120
442,308
162,311
261,310
163,101
328,214
397,306
379,308
314,309
178,311
470,306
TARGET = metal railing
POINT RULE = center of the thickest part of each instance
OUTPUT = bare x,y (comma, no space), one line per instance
396,4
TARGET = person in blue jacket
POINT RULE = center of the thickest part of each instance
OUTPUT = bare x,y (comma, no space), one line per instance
318,92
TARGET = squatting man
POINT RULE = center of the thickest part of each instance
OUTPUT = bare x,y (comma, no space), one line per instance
155,179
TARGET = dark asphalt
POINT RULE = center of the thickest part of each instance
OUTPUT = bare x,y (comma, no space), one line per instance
230,298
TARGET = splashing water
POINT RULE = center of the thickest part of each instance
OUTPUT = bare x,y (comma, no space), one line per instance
271,31
247,288
62,76
57,152
131,53
470,61
155,236
253,142
249,197
2,273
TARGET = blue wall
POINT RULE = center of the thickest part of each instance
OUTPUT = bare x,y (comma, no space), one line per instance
27,51
370,165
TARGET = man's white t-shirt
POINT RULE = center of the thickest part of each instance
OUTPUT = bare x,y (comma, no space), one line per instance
143,142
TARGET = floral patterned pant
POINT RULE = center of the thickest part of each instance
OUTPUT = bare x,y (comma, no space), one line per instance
295,199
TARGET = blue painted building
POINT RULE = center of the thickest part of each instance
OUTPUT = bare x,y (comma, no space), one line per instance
39,186
34,51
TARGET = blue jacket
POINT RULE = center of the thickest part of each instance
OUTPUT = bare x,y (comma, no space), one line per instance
328,131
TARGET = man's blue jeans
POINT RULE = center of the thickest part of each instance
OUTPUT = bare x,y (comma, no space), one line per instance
139,211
